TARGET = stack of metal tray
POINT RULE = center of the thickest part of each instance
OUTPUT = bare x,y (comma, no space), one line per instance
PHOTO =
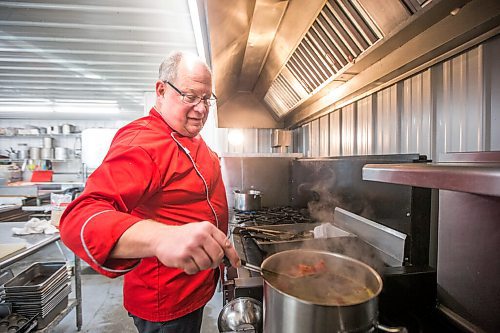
39,290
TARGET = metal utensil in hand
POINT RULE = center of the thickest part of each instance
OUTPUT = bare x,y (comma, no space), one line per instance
262,271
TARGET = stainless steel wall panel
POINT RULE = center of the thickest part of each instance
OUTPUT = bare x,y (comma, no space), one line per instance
416,114
460,109
232,145
251,140
268,174
298,140
387,122
264,140
492,88
323,184
314,138
349,130
335,134
306,139
364,128
324,136
221,141
450,107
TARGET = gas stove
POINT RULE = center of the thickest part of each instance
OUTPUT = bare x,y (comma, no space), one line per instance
408,297
270,216
274,216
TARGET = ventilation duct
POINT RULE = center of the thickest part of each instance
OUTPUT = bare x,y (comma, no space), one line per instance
341,33
414,6
311,57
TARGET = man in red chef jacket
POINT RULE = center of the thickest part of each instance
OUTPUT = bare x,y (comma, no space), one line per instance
155,209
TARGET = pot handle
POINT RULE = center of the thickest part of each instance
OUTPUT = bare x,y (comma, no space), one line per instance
388,329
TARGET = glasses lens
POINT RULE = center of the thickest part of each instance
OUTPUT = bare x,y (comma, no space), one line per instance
190,99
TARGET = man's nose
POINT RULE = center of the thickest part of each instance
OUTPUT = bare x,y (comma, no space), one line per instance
201,107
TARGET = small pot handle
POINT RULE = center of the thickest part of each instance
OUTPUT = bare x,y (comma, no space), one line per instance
388,329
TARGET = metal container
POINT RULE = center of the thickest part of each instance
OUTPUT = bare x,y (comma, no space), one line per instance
55,129
285,312
240,314
61,153
47,153
48,142
24,151
36,277
68,129
35,153
247,201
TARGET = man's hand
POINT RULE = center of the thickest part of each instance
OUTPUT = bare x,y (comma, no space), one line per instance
194,247
191,247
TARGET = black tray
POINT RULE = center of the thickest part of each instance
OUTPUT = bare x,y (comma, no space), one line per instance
17,323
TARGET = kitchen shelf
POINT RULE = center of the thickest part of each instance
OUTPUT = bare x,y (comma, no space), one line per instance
34,243
478,178
72,303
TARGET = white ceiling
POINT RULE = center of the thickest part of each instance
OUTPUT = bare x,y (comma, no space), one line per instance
64,56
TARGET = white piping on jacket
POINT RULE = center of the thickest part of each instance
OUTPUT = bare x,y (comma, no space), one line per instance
200,175
88,251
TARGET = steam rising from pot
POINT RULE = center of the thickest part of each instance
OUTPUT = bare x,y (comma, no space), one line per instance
325,196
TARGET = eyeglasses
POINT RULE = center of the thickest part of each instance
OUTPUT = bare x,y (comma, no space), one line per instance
193,99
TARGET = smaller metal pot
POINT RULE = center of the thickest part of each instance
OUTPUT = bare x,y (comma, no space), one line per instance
247,201
47,153
61,153
55,129
35,153
68,129
24,151
48,142
240,315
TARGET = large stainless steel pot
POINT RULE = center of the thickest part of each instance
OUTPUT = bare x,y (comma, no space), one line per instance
247,201
315,307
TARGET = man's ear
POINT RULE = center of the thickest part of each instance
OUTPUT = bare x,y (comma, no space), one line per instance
160,88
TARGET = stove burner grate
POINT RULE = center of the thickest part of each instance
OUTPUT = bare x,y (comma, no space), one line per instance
270,216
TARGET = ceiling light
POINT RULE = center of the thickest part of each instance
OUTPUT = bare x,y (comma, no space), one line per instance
198,36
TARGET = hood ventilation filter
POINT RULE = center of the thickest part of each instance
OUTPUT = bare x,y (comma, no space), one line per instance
341,32
414,6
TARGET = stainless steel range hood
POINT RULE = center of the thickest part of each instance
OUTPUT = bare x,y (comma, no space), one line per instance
279,63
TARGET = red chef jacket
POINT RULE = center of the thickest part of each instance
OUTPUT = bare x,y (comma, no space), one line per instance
150,172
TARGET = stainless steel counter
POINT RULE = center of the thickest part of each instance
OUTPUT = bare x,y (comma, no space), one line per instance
34,242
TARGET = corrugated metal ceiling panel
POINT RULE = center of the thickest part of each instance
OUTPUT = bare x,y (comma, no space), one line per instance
87,53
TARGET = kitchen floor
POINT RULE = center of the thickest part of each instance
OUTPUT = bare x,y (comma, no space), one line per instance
103,311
